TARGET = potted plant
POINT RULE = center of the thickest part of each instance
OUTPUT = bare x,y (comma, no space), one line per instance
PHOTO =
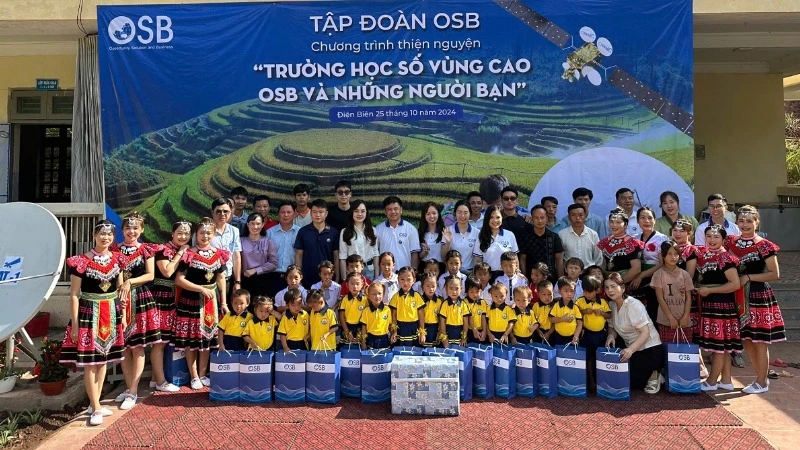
8,375
51,373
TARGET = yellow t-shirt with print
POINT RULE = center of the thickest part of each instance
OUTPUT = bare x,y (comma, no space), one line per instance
407,305
541,312
498,317
478,309
432,308
454,312
559,309
294,327
593,322
234,324
322,322
525,319
377,319
353,306
262,332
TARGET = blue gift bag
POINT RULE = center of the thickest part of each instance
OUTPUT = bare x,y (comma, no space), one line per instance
525,362
682,368
290,376
482,370
613,376
376,375
464,356
255,376
176,371
224,376
407,350
571,362
434,351
350,374
546,372
505,371
323,383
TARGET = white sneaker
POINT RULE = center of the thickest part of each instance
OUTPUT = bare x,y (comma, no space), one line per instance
167,387
705,387
121,397
128,403
725,387
103,410
206,381
755,388
196,384
96,419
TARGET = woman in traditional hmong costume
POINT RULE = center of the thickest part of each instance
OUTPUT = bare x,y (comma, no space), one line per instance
168,257
201,277
143,327
760,318
94,335
621,252
719,323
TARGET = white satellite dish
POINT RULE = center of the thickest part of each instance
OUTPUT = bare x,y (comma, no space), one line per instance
592,75
605,47
32,252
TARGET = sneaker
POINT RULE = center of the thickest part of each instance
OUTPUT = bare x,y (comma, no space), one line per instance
96,419
755,388
705,387
121,397
128,403
206,381
167,387
725,387
196,384
104,411
738,360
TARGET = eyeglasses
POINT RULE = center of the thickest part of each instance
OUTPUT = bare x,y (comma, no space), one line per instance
343,192
717,206
222,212
509,199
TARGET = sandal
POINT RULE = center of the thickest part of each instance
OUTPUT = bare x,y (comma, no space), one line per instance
786,374
778,363
794,365
772,374
653,386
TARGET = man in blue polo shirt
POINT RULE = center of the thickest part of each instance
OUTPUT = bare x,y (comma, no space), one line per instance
316,242
398,236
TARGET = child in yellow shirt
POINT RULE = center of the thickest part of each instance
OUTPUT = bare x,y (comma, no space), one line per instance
323,325
565,315
260,332
526,324
499,319
232,326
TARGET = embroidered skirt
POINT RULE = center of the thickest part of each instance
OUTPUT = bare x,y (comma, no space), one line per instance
144,319
196,320
99,331
164,295
765,323
719,324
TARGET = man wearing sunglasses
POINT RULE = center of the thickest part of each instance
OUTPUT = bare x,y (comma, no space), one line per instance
337,213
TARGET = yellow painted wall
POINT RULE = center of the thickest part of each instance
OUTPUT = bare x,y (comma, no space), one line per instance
739,118
22,71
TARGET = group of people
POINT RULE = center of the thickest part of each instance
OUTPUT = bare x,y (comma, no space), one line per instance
323,275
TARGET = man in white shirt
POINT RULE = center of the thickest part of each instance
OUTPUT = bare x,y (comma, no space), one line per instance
717,205
398,236
578,240
627,202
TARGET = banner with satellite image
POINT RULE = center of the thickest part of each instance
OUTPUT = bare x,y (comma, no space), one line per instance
419,99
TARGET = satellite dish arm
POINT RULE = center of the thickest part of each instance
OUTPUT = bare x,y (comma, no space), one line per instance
30,277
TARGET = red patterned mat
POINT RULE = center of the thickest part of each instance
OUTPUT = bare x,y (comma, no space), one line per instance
189,420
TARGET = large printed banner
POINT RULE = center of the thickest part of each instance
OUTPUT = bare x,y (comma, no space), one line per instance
419,99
